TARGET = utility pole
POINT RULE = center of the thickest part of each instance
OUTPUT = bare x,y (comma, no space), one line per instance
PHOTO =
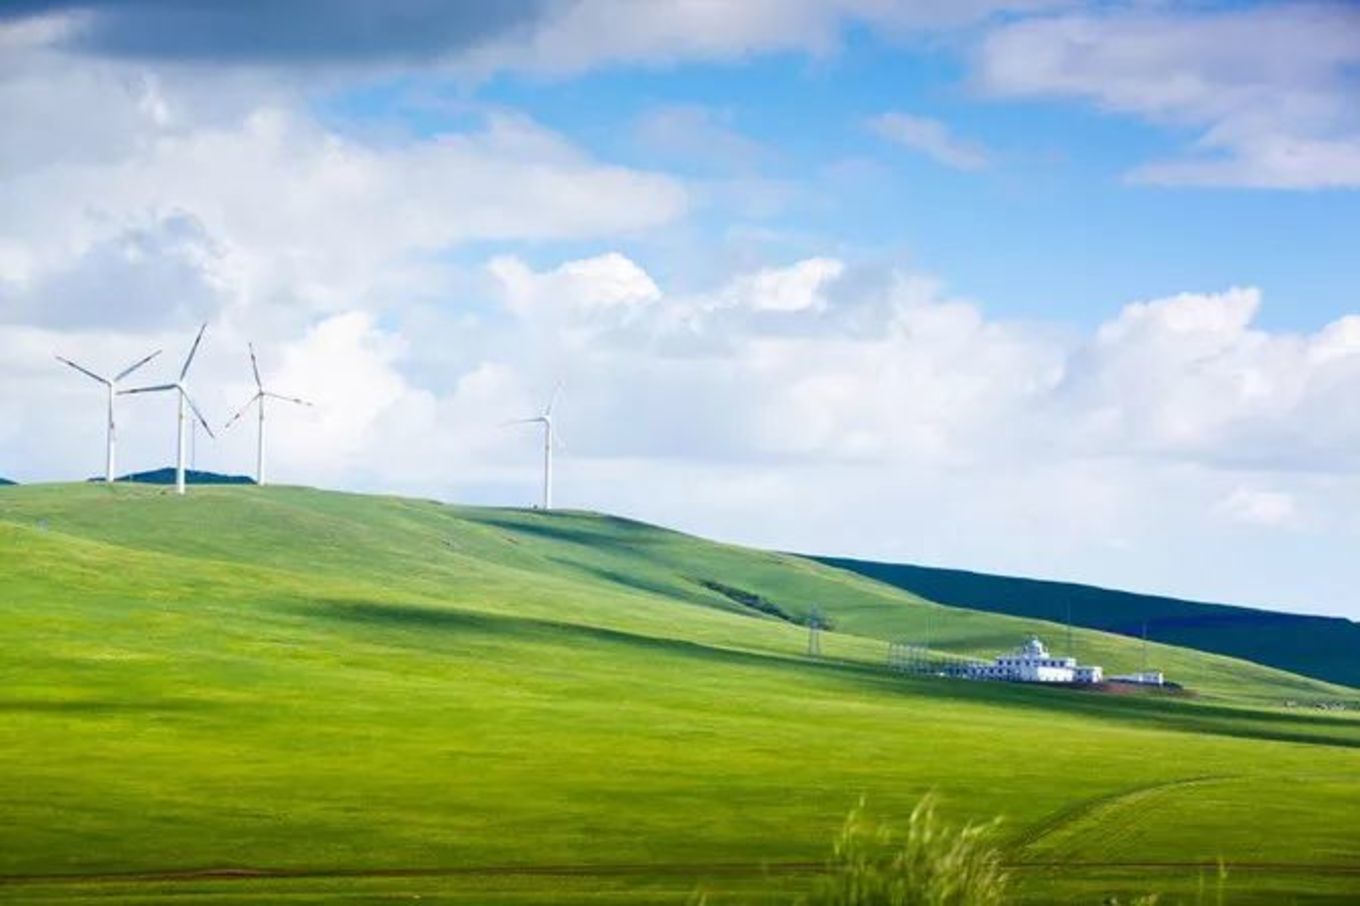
1145,646
1069,628
815,632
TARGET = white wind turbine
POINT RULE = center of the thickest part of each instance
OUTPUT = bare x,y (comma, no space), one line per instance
181,391
109,384
260,396
549,438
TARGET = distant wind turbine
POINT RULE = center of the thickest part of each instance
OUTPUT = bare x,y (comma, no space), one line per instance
109,384
181,390
549,438
260,396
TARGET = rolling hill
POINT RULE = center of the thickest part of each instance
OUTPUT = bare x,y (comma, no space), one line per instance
266,694
1327,648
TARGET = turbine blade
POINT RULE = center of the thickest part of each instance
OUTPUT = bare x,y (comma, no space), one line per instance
242,411
557,440
85,371
255,367
201,420
193,350
156,389
286,399
552,400
134,366
522,421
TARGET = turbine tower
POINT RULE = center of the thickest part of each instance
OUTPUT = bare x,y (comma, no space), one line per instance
549,438
260,396
109,384
181,391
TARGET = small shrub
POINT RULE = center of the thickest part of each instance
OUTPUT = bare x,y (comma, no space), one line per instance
931,864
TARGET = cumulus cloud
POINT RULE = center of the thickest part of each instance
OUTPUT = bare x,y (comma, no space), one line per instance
931,138
1260,508
146,273
1268,91
582,287
250,206
898,368
799,287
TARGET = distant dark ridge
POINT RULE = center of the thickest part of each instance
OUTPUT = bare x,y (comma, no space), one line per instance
191,476
4,481
1326,648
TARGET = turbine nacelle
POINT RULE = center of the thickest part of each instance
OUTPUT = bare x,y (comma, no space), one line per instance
183,397
183,391
261,394
550,437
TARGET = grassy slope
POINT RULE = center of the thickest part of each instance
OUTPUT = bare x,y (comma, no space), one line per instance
1322,647
301,680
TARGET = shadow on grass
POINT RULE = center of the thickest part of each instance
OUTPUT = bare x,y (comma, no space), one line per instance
479,624
600,532
91,707
614,577
432,627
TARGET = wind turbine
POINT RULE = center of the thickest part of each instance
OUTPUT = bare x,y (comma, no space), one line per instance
549,437
182,392
260,395
109,384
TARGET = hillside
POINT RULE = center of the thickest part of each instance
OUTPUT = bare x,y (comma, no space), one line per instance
1321,647
389,698
6,481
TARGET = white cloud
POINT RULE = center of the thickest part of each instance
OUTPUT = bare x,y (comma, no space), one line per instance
300,212
609,281
1268,90
799,287
932,138
254,203
1251,506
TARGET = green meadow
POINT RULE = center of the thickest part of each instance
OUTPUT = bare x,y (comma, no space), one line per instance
283,695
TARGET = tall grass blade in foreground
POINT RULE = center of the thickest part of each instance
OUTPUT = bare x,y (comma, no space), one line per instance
932,864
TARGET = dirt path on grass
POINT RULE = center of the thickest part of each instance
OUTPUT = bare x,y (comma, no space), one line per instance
1085,808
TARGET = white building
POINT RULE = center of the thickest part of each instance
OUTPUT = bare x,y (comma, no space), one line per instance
1031,663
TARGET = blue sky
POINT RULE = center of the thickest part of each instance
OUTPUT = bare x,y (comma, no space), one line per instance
1045,230
1041,287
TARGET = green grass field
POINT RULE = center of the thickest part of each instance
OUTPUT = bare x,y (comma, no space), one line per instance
365,699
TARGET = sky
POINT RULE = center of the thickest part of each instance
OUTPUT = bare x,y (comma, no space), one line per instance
1042,287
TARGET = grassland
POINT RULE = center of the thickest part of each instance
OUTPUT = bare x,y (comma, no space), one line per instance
363,698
